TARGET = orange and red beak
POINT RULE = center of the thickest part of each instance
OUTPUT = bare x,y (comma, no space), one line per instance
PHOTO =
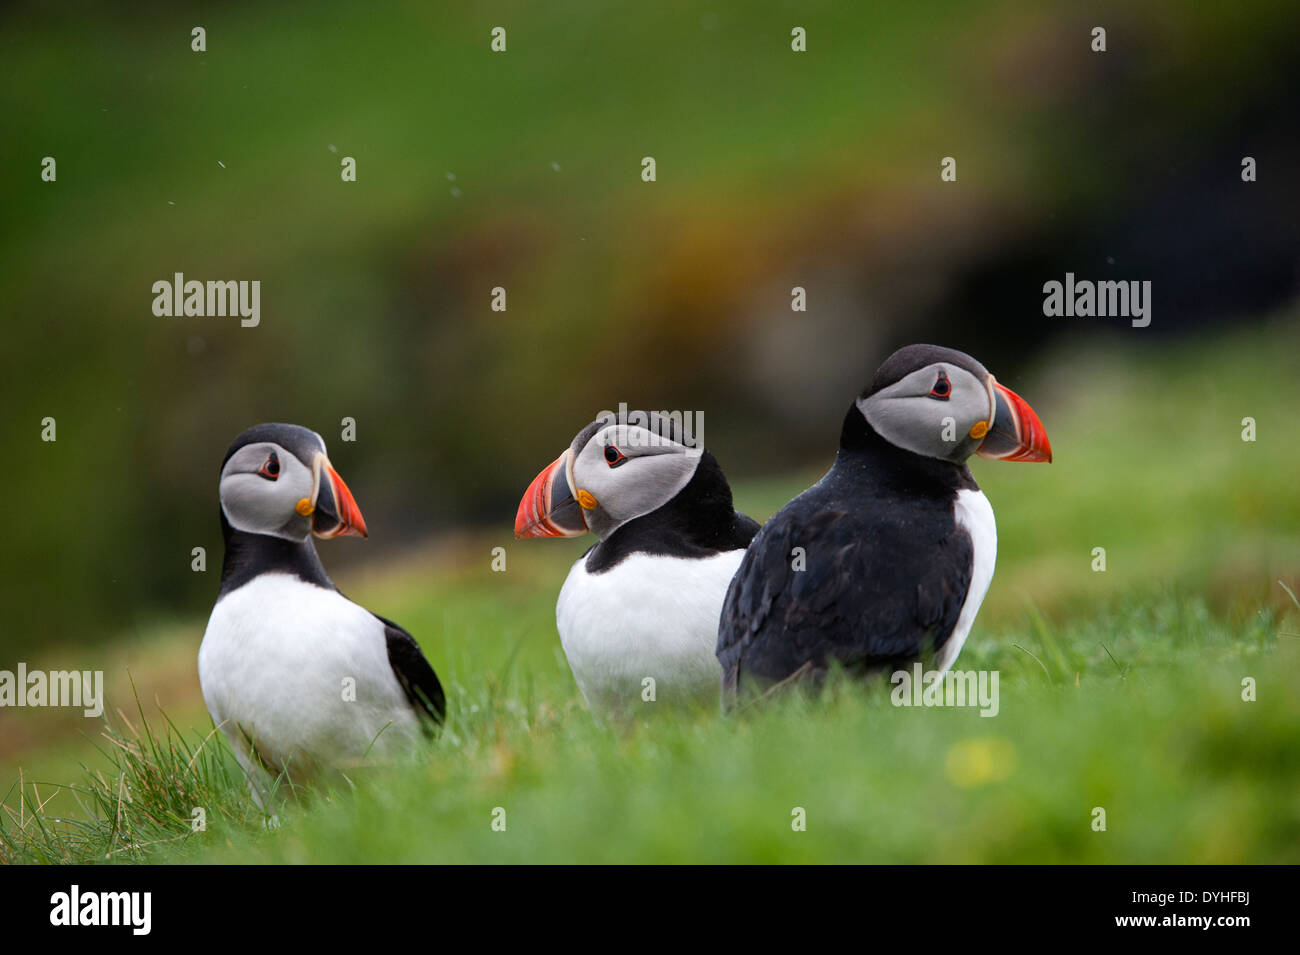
336,513
548,508
1017,434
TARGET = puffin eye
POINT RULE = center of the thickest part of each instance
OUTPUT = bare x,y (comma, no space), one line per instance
613,456
942,387
271,469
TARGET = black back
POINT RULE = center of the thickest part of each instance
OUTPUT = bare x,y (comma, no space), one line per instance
699,522
887,568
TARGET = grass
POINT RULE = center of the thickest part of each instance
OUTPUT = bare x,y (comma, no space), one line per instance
1121,690
159,790
1136,709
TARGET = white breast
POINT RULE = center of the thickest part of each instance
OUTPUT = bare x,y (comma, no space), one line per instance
274,665
646,618
974,513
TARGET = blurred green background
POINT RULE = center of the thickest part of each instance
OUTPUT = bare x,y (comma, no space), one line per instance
522,170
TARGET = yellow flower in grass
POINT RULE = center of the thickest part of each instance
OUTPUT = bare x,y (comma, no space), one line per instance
978,762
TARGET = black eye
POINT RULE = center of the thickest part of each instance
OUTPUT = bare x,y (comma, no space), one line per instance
271,469
942,387
613,456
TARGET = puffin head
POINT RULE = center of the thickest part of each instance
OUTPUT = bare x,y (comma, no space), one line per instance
276,480
942,403
618,468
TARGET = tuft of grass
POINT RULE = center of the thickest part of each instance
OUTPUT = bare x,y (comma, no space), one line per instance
162,788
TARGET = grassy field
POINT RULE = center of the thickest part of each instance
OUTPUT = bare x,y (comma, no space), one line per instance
1121,690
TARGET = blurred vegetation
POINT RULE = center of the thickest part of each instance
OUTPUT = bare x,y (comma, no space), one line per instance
521,170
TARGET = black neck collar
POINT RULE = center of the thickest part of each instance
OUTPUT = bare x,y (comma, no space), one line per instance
699,521
248,555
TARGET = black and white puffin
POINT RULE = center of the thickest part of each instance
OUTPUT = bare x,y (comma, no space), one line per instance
297,676
643,603
888,557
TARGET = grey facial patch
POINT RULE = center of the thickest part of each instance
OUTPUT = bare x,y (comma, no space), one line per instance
906,415
256,505
653,468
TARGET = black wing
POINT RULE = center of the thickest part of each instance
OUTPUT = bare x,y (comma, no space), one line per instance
414,672
861,599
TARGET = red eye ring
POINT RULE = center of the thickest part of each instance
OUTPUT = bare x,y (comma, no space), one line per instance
271,469
613,456
942,387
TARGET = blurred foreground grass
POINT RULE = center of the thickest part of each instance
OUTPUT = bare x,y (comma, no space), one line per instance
1137,710
1120,690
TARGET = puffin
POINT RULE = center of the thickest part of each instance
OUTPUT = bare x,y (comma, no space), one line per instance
300,679
638,612
884,561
